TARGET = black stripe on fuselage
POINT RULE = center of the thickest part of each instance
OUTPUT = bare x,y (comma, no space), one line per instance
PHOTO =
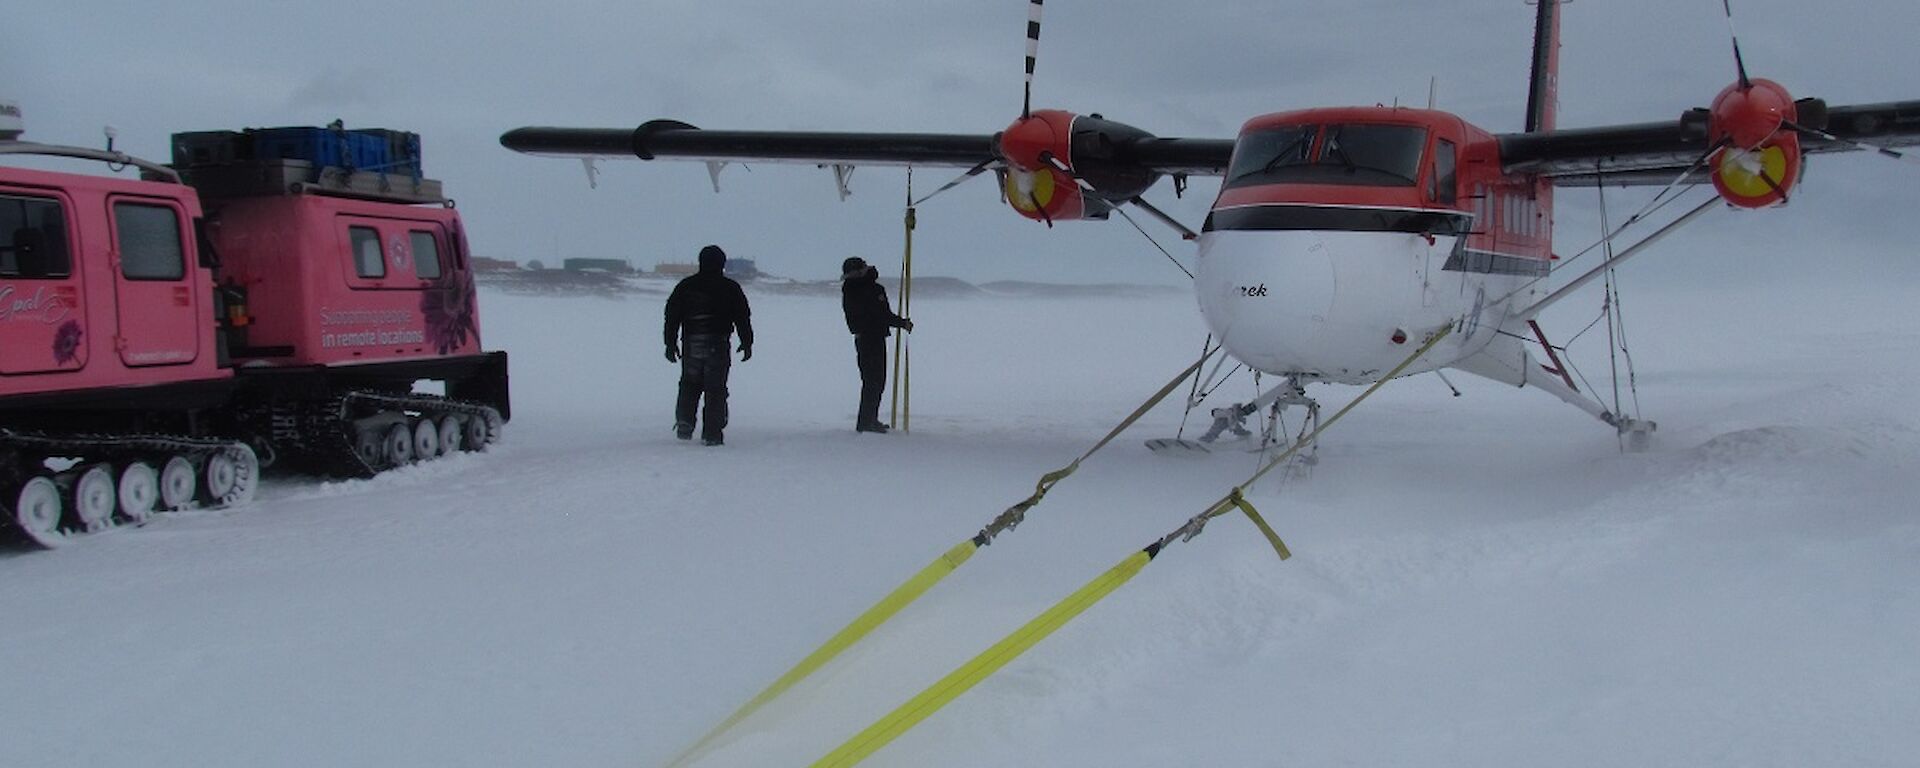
1267,218
1488,263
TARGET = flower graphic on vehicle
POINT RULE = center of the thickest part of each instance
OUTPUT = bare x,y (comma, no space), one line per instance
449,312
66,343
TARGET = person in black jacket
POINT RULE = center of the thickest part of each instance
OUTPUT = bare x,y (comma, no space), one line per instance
703,312
868,317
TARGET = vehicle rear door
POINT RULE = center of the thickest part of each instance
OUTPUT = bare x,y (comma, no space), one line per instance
43,319
159,310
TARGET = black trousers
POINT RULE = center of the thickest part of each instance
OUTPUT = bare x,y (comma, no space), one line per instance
704,364
870,352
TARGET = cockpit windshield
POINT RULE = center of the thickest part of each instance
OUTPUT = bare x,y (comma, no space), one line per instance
1353,153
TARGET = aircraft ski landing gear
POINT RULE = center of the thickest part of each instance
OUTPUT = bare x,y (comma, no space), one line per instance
1636,435
1233,419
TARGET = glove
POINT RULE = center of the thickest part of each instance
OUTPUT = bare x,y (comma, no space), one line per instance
907,325
746,352
673,354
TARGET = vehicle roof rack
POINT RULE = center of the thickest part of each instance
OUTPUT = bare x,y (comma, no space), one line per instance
150,170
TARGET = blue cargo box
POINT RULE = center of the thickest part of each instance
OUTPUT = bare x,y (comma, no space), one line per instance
402,150
320,146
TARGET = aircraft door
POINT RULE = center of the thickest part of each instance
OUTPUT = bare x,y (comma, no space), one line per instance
160,316
43,319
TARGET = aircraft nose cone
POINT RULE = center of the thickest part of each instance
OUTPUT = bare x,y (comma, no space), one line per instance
1267,296
1342,306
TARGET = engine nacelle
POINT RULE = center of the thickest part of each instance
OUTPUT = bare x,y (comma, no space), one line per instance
1761,161
1062,166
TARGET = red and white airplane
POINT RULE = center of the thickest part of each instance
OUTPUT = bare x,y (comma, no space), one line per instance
1342,237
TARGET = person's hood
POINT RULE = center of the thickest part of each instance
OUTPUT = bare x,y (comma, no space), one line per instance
713,260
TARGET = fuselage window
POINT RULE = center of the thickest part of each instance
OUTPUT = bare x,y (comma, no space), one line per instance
33,238
368,259
149,242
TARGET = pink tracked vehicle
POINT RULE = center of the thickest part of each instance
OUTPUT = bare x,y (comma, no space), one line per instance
275,298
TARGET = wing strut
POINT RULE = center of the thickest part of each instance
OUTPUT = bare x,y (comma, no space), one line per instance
1602,267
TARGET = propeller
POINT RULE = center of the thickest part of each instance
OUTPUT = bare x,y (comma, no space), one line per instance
1755,154
1756,126
1056,165
1034,8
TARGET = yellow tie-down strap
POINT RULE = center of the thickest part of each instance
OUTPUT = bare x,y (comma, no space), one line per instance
959,681
899,598
1235,500
914,587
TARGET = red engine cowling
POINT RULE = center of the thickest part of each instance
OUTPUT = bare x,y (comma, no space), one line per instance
1761,162
1064,167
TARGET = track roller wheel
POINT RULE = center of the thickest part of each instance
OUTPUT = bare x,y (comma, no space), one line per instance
232,473
94,497
139,491
474,433
36,511
449,435
426,439
368,444
483,429
399,444
177,483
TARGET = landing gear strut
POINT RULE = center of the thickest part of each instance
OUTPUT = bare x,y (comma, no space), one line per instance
1233,419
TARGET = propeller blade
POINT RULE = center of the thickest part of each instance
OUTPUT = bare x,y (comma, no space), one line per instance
1738,62
1887,151
958,180
1033,52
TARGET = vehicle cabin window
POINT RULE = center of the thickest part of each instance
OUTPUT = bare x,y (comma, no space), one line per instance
149,241
1446,183
426,255
368,259
33,238
1356,154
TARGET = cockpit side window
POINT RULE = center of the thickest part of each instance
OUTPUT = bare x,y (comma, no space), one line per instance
1445,181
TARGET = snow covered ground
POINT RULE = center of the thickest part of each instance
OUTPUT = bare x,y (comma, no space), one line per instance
1482,580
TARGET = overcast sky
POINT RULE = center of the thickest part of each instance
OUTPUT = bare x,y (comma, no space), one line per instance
460,74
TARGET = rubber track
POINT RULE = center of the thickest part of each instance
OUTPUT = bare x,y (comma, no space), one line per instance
51,445
340,455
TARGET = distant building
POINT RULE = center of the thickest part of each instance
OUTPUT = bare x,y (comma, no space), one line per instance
742,268
614,266
484,264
